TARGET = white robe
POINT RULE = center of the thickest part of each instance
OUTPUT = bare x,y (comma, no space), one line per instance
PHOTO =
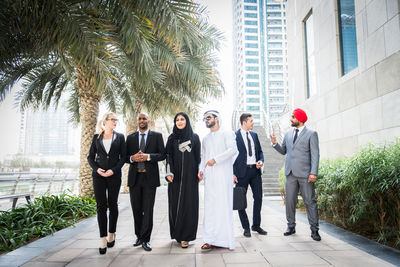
218,189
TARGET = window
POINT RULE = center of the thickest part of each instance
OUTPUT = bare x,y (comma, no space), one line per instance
251,45
253,100
256,116
252,60
250,1
250,30
347,34
310,55
275,76
250,15
253,92
251,38
252,76
251,53
250,7
253,108
252,84
250,22
252,68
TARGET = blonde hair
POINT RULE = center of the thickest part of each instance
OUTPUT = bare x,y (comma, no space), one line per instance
100,123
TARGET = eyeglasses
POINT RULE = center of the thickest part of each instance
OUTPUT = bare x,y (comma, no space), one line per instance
113,120
207,118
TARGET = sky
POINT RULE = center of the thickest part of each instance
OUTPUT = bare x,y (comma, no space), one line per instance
220,15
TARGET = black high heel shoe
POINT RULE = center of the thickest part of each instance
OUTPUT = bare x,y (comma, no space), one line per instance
112,243
103,250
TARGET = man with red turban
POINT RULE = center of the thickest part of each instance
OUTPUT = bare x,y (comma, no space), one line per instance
300,145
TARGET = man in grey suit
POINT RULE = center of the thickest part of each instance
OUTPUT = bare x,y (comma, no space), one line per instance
300,145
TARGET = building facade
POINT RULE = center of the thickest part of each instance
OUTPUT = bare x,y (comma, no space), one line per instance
260,58
45,133
344,70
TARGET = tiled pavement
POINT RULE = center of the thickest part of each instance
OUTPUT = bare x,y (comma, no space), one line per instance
78,246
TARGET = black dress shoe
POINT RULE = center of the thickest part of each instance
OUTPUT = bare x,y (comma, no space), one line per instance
247,233
315,235
103,250
146,246
290,231
259,230
112,243
138,242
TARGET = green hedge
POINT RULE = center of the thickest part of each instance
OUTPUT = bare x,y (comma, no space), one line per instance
46,215
362,193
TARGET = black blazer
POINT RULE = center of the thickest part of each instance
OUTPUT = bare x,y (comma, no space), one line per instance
114,160
239,167
154,147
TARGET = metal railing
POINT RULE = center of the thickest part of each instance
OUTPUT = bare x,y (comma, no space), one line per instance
39,183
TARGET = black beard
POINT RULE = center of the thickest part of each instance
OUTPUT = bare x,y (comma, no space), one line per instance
210,125
143,128
295,124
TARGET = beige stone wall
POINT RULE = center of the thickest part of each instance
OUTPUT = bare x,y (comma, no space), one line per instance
364,105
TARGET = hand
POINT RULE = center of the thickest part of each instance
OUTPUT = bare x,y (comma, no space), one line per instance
170,178
259,164
135,158
101,172
235,180
273,138
312,178
144,157
108,173
200,175
211,162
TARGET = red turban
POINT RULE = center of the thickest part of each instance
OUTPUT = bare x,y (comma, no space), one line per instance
300,115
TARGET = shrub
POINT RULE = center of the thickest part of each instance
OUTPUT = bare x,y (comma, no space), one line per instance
362,193
46,215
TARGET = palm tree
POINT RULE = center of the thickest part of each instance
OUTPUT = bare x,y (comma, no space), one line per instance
77,48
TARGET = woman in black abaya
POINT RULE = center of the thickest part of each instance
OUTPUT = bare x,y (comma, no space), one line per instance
183,159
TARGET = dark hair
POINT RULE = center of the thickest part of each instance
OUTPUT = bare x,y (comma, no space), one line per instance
244,117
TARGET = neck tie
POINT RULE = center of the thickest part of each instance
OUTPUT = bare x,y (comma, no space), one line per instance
142,145
295,135
249,144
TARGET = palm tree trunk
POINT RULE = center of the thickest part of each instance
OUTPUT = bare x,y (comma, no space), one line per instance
131,127
89,111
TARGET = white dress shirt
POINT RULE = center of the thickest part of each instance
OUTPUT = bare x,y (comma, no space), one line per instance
250,160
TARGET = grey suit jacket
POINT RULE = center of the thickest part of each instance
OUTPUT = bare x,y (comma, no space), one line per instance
302,157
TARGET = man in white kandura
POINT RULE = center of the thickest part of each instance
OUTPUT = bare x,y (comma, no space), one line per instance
218,153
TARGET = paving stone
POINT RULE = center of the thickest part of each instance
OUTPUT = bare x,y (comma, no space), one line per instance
127,260
243,258
98,262
66,255
354,258
206,260
43,264
169,260
295,258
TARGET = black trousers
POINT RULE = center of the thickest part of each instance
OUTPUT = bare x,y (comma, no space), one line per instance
252,178
142,202
106,191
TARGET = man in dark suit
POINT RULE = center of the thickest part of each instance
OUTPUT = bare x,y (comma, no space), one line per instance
247,171
145,149
301,147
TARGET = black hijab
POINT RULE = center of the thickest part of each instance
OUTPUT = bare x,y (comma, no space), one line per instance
184,134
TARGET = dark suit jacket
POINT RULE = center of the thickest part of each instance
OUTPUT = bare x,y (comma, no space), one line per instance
114,160
154,147
239,167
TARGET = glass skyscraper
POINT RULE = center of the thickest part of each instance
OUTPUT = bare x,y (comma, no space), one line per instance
260,64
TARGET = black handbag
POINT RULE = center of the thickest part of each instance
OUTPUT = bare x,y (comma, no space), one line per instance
239,198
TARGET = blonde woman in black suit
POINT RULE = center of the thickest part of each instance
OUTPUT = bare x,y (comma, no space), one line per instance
106,157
